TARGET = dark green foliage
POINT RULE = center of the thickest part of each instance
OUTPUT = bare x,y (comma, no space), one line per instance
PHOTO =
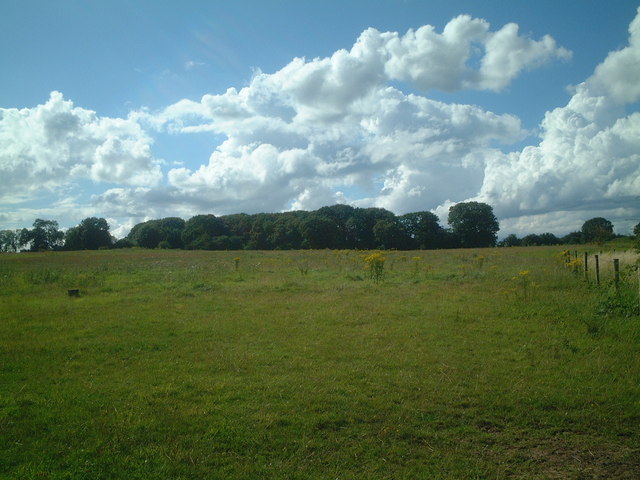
510,240
389,233
597,230
423,230
151,233
534,239
340,215
474,224
573,238
91,234
123,243
360,226
9,240
44,235
319,231
199,232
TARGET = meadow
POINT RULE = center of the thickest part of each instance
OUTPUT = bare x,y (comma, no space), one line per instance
458,364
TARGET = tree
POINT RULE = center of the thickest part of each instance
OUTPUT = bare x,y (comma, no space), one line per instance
286,233
200,230
95,233
171,229
261,232
636,230
548,238
239,226
511,240
44,235
360,226
573,238
73,239
91,234
9,240
319,231
597,230
151,233
423,230
389,234
474,224
340,214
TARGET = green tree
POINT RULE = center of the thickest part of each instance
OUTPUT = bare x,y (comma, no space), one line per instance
9,240
319,231
340,214
171,229
389,233
199,232
360,226
286,234
572,238
91,234
239,226
597,230
73,239
423,229
474,224
261,232
151,233
45,235
511,240
549,239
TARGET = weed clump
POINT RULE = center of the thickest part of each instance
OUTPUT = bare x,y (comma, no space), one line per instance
375,265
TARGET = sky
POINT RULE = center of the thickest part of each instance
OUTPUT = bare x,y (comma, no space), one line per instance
135,110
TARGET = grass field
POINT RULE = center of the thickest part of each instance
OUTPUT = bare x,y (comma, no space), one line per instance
466,364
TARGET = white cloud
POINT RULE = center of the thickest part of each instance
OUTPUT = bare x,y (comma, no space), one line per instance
333,130
589,155
334,124
445,61
55,144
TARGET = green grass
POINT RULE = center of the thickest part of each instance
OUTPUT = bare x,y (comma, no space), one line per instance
177,365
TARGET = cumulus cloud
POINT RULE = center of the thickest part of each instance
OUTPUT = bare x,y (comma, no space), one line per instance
55,144
589,156
332,130
445,61
334,124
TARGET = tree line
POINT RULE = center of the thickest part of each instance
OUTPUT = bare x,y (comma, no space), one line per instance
470,225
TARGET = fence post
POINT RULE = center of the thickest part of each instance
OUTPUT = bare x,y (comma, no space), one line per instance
597,270
586,267
616,270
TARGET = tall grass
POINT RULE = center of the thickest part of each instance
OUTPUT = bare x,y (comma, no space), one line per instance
453,364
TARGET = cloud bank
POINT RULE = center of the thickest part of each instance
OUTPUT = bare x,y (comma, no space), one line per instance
341,129
55,144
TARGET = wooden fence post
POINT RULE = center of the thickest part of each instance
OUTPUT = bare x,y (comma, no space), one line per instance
586,266
597,270
616,270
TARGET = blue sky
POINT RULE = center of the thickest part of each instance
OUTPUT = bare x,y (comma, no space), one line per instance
131,110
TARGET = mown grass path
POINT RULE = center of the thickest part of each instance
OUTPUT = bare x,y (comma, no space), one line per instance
242,365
